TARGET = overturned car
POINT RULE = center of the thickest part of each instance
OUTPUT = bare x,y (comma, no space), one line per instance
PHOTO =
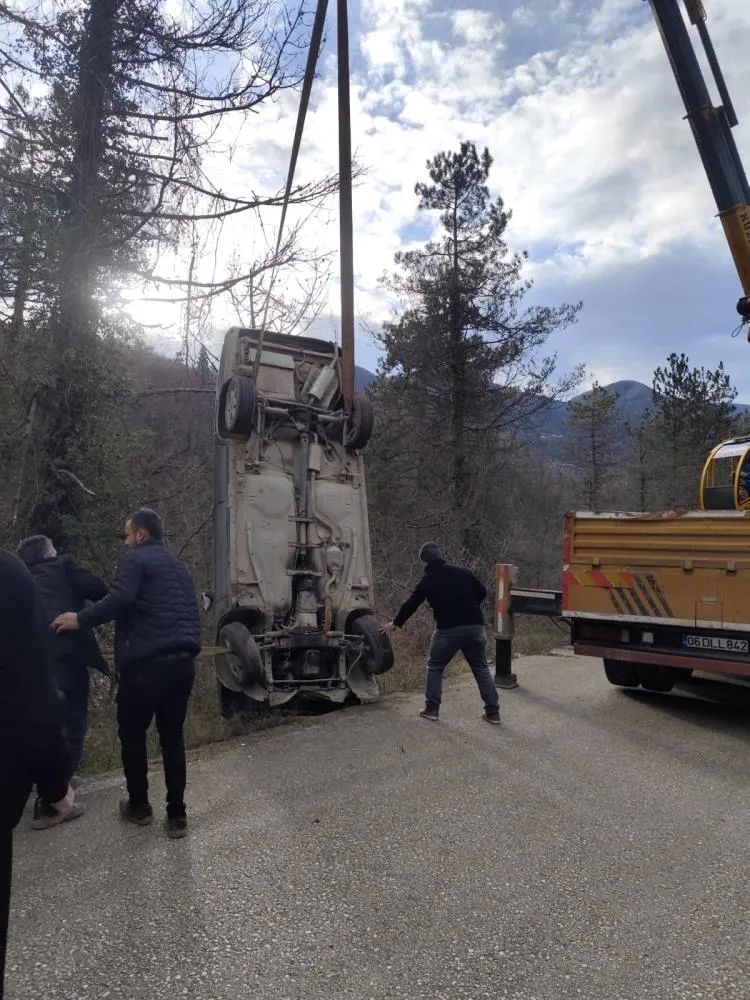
292,567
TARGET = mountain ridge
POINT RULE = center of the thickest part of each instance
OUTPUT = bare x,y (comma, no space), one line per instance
549,426
634,399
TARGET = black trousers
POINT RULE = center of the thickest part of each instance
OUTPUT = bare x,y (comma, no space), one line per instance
160,689
29,753
73,681
6,863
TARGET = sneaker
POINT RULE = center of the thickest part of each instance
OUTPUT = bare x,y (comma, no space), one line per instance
492,717
176,826
429,713
45,816
140,815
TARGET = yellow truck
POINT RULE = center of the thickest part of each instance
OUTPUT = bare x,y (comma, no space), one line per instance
655,595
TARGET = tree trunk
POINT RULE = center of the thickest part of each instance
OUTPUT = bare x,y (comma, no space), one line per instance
67,404
459,393
77,314
23,467
189,306
19,305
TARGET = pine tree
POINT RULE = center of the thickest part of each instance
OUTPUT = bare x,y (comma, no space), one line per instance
204,367
462,357
693,411
595,424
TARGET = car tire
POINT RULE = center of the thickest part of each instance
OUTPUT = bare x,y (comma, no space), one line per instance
359,424
235,410
242,664
378,656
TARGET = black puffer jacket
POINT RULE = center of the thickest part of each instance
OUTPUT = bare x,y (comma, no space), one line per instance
152,603
64,586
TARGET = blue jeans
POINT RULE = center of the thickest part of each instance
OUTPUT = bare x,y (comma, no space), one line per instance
471,640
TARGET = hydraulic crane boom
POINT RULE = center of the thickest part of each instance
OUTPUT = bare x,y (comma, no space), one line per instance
712,130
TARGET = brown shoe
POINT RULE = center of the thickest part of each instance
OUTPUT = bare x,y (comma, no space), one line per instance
47,815
429,713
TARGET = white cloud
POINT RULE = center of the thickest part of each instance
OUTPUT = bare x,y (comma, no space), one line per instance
477,27
524,16
586,128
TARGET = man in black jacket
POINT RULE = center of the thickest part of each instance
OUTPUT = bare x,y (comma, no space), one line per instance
32,739
157,636
62,585
455,596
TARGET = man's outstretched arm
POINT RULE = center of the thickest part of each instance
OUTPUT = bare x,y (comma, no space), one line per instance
122,594
407,609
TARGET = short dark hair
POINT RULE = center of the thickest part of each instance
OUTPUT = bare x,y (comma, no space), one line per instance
34,549
150,522
430,552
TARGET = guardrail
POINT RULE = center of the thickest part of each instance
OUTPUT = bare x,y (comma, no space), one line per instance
510,601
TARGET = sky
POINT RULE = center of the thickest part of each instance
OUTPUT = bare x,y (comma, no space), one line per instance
578,106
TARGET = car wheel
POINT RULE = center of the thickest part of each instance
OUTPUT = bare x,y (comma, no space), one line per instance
241,665
235,414
378,653
359,425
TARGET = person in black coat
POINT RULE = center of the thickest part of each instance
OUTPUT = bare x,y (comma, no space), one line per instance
62,585
32,738
157,636
456,597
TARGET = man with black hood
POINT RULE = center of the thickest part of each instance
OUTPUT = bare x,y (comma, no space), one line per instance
32,738
455,596
62,585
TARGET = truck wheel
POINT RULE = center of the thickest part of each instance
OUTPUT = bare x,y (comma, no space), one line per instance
655,678
621,673
241,665
358,430
378,654
235,414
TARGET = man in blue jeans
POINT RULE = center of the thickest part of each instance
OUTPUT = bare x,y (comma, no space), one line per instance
455,596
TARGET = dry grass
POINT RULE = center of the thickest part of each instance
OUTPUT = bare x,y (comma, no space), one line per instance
206,726
204,723
535,636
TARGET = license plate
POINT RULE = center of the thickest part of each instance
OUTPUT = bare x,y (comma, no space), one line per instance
715,642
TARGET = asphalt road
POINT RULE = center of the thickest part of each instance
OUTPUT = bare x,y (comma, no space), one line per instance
595,845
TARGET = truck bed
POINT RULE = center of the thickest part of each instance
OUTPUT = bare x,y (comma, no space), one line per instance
686,569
